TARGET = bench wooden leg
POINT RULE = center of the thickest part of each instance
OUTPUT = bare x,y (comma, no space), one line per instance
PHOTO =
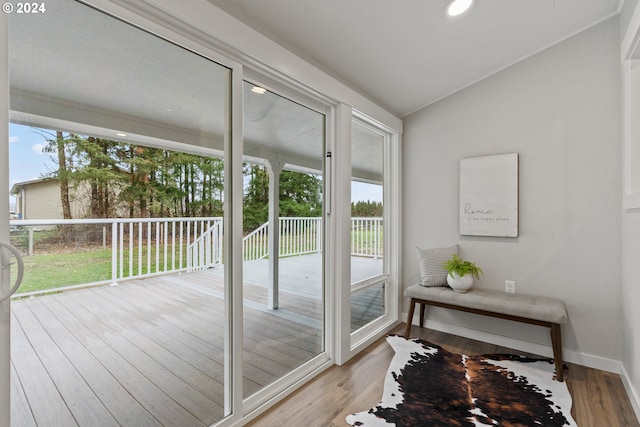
556,344
412,306
422,307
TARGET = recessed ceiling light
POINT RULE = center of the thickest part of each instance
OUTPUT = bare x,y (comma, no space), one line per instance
458,7
121,134
259,90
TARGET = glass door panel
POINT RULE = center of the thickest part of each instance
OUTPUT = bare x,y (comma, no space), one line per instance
283,257
117,167
368,271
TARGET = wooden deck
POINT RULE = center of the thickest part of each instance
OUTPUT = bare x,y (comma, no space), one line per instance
150,352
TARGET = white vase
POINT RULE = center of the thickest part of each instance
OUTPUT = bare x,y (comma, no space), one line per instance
460,283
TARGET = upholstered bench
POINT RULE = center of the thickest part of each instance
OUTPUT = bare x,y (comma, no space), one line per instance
534,310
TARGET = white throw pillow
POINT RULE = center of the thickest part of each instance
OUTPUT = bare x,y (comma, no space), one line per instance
431,260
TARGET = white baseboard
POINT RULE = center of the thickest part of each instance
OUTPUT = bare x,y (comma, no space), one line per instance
633,394
578,358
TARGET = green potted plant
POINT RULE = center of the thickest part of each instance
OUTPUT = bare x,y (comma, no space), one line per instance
461,273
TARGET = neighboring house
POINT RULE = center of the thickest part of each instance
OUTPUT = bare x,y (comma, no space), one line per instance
40,199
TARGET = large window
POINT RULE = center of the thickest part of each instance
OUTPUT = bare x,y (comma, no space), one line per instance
369,271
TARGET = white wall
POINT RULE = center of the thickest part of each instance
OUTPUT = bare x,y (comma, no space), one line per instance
560,110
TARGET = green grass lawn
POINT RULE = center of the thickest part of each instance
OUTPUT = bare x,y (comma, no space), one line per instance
48,271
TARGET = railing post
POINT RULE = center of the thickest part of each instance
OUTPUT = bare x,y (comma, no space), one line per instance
318,231
378,252
114,253
220,241
121,248
189,260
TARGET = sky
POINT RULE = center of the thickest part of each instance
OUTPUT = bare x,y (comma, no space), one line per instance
27,162
26,159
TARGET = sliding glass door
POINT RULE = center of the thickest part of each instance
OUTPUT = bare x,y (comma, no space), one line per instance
118,169
283,264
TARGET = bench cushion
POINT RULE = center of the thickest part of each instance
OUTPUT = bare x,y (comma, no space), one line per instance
527,306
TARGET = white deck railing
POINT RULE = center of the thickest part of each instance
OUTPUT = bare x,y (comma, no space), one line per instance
144,247
206,250
255,245
367,237
303,235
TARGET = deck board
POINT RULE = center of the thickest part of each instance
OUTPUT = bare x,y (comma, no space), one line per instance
189,403
103,344
19,403
151,352
70,384
38,386
122,405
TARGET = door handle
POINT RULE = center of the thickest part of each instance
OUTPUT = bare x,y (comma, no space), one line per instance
20,262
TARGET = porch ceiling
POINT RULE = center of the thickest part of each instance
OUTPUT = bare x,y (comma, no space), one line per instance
99,76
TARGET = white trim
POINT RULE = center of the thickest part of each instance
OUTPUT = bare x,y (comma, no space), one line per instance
369,282
329,225
630,198
632,392
5,335
578,358
340,233
233,234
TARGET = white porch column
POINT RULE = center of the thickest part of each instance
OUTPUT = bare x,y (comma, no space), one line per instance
274,168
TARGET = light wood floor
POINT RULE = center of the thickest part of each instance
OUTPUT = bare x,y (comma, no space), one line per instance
599,398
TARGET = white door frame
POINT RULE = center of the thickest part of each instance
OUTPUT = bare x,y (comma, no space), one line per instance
5,348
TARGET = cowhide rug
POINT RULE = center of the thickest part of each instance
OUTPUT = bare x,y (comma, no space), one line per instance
429,386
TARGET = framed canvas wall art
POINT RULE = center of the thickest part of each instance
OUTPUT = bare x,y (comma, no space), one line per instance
489,195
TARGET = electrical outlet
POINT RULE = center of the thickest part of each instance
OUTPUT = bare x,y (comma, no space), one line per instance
510,286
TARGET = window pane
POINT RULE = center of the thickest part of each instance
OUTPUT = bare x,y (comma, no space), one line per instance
367,305
367,224
117,162
283,258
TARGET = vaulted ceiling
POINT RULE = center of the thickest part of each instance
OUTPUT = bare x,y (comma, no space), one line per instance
406,54
81,71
